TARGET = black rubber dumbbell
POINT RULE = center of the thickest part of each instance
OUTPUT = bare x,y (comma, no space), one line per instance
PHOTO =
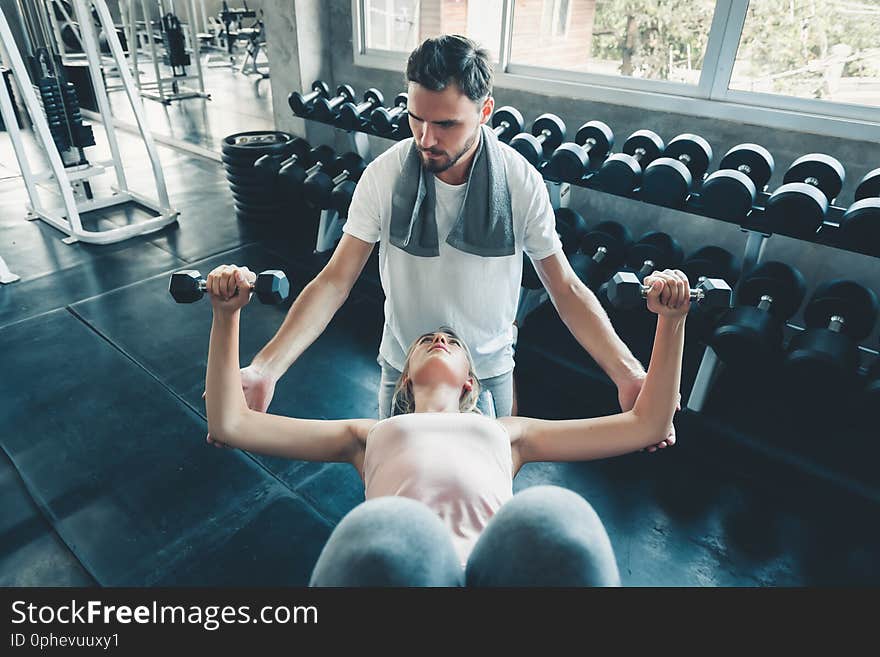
860,224
572,160
507,122
799,206
730,192
708,262
266,167
825,356
668,180
751,333
354,116
188,286
621,173
302,105
319,185
652,251
571,228
385,120
293,174
326,109
547,134
625,290
601,252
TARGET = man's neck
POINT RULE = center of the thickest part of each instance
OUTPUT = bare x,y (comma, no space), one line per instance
458,173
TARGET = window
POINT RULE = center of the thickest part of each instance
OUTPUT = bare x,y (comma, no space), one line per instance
650,39
400,25
824,49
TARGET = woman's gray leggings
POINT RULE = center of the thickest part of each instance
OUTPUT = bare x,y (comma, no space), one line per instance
544,536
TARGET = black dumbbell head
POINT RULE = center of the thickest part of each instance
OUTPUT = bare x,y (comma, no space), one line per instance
614,237
693,151
568,163
529,147
869,186
860,224
625,290
599,137
374,96
292,175
184,286
353,163
512,117
667,181
297,101
782,282
711,262
716,293
796,209
571,228
730,192
555,128
818,170
660,248
323,109
272,286
753,160
384,119
621,172
855,303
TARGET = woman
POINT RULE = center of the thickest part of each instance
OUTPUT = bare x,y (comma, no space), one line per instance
439,507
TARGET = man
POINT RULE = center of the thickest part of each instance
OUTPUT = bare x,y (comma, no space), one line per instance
453,210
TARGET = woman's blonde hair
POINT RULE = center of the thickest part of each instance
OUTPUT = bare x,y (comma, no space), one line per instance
403,401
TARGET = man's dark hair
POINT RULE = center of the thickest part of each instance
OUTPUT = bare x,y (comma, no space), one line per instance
451,58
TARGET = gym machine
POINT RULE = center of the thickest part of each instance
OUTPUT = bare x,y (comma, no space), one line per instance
53,108
181,47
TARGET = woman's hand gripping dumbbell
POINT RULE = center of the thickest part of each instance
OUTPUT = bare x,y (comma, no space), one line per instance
625,290
271,286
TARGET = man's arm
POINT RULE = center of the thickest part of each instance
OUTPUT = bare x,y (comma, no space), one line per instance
588,322
314,307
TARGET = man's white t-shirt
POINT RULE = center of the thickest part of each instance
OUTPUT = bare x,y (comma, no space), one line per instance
474,295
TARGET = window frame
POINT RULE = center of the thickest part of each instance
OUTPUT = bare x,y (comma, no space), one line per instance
711,97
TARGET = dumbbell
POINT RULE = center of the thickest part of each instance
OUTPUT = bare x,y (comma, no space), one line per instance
751,333
591,144
621,173
507,122
825,356
730,192
548,131
293,174
351,115
601,251
798,207
668,180
571,228
302,105
860,224
325,109
266,167
626,291
319,185
188,286
652,251
708,262
385,120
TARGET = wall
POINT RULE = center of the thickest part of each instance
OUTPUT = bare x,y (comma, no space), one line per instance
816,262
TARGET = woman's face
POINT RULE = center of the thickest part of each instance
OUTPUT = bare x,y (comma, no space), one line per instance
439,357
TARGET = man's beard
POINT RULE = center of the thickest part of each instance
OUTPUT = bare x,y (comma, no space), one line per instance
441,165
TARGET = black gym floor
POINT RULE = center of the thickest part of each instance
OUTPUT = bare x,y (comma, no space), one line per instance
107,479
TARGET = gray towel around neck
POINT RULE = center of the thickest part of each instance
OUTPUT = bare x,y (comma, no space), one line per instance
484,226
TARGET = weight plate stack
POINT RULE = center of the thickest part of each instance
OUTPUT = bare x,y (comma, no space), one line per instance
256,197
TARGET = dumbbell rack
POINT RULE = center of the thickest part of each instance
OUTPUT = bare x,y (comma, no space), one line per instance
330,224
71,180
